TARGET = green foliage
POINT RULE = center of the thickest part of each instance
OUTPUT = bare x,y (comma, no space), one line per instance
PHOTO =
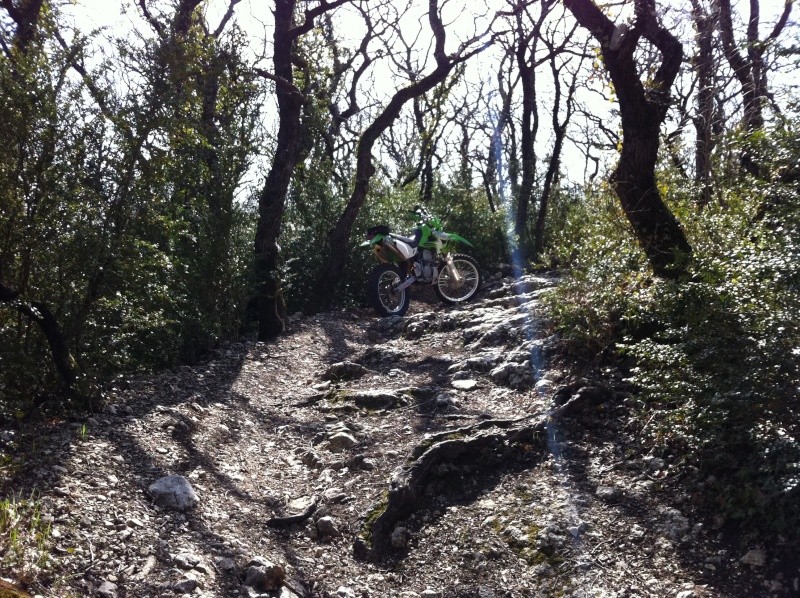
716,357
119,207
466,212
314,203
24,536
461,212
596,247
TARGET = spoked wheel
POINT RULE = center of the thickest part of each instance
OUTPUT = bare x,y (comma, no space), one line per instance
381,293
451,290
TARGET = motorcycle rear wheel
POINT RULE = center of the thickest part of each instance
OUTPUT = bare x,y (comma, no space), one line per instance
381,295
449,291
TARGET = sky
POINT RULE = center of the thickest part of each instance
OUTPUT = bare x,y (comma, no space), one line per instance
114,17
254,17
120,13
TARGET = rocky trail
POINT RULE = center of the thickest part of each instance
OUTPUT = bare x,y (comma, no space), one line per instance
446,454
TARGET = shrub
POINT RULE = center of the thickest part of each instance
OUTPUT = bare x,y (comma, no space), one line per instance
716,357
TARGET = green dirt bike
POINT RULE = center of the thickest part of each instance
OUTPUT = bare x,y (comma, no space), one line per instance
423,258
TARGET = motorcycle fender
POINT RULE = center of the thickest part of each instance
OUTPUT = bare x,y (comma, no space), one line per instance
374,241
455,237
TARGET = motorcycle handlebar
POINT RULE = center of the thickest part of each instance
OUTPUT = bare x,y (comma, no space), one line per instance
421,212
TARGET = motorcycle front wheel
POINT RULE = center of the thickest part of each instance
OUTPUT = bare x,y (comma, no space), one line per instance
381,293
451,291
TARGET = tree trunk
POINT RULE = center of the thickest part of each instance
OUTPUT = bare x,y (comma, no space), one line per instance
25,14
530,124
643,110
525,55
656,228
554,164
426,154
290,150
550,176
183,16
59,349
494,168
270,305
704,120
339,236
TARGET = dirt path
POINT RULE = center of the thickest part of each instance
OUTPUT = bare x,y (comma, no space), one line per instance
260,433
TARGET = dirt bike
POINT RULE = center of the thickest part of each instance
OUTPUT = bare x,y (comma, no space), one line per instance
426,257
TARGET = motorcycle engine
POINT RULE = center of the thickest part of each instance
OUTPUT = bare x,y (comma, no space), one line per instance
429,269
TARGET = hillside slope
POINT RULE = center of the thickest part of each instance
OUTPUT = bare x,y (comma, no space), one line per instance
290,447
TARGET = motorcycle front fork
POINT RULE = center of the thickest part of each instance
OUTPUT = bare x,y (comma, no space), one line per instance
452,271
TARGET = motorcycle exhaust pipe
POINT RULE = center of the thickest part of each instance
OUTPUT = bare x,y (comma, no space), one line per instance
393,248
406,283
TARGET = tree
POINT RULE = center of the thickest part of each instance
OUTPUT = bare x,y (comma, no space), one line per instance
184,132
557,66
525,45
750,71
416,151
26,172
705,118
289,152
116,198
500,123
340,234
25,14
643,107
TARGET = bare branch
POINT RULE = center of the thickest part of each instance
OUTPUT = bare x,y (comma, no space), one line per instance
226,17
280,81
154,22
310,15
784,18
98,95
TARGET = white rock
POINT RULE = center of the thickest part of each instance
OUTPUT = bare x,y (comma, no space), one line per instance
755,557
173,492
186,560
608,492
326,526
545,386
341,442
264,575
676,525
464,384
107,590
656,463
226,564
400,537
299,505
636,532
185,586
333,494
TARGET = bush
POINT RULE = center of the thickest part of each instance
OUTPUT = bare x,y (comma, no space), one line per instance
716,357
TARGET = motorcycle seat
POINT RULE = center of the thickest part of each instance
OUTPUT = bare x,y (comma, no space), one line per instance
412,241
